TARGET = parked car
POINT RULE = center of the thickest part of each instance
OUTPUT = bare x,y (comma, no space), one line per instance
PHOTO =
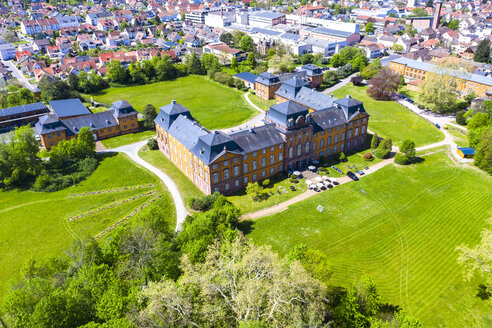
438,126
359,172
337,169
352,176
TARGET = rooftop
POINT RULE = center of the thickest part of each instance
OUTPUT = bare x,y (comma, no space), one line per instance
68,107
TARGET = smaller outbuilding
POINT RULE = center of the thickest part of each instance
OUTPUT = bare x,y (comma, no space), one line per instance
248,79
68,108
466,152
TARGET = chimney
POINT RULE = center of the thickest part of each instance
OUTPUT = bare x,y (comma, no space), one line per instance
437,14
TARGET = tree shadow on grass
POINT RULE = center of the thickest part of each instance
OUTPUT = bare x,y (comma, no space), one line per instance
246,226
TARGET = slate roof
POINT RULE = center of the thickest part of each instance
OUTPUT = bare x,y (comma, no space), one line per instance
312,69
169,113
257,138
212,145
94,121
68,107
122,108
282,112
313,99
267,78
328,118
9,111
247,76
290,88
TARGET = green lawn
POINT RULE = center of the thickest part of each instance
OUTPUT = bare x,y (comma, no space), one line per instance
390,119
215,106
155,157
403,232
409,93
35,225
459,136
128,139
260,102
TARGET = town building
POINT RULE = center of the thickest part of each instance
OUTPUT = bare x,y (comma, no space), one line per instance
466,82
266,18
7,51
224,52
304,126
12,117
120,119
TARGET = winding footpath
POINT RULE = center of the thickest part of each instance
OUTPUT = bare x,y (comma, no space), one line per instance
132,152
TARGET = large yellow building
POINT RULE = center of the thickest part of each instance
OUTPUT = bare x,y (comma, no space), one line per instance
295,134
466,82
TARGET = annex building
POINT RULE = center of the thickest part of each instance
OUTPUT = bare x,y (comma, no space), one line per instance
465,82
68,116
304,126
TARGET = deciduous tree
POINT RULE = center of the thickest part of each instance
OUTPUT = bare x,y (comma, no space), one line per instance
384,84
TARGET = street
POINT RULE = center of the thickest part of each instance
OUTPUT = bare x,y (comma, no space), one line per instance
19,76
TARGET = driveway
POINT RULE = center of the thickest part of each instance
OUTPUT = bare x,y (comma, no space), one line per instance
132,152
19,76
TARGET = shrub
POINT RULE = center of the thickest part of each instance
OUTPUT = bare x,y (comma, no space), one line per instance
203,203
152,144
293,176
342,157
384,148
294,180
367,157
256,192
401,159
43,181
374,141
356,80
460,117
265,182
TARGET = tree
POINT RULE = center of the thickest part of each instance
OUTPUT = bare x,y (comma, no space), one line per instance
86,143
397,48
307,59
418,12
136,74
407,147
73,81
454,24
384,148
360,62
251,60
330,77
280,64
482,55
371,70
438,91
55,89
255,191
246,43
194,64
237,37
384,84
234,64
374,141
477,260
369,29
460,117
26,96
116,73
336,60
226,38
483,156
149,114
242,283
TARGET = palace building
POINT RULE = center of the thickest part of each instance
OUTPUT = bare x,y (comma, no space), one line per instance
120,119
466,83
302,127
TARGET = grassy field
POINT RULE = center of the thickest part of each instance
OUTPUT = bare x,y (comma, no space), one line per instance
35,225
263,104
459,136
403,232
215,106
155,157
128,139
390,119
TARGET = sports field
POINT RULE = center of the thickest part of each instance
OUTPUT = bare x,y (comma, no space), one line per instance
401,225
215,106
390,119
36,225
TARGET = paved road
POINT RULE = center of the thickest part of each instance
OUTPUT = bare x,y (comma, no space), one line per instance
430,116
255,121
132,151
19,76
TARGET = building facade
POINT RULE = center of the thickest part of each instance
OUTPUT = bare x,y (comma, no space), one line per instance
120,119
465,82
302,127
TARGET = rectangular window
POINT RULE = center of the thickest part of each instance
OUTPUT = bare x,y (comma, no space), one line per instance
263,151
215,177
254,154
226,174
314,145
280,157
322,143
245,167
255,165
214,166
263,174
280,168
341,147
226,186
272,148
272,159
329,141
336,138
245,157
335,149
236,170
236,183
272,170
356,132
58,133
337,128
255,177
322,133
280,146
245,180
226,163
49,135
236,159
363,129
